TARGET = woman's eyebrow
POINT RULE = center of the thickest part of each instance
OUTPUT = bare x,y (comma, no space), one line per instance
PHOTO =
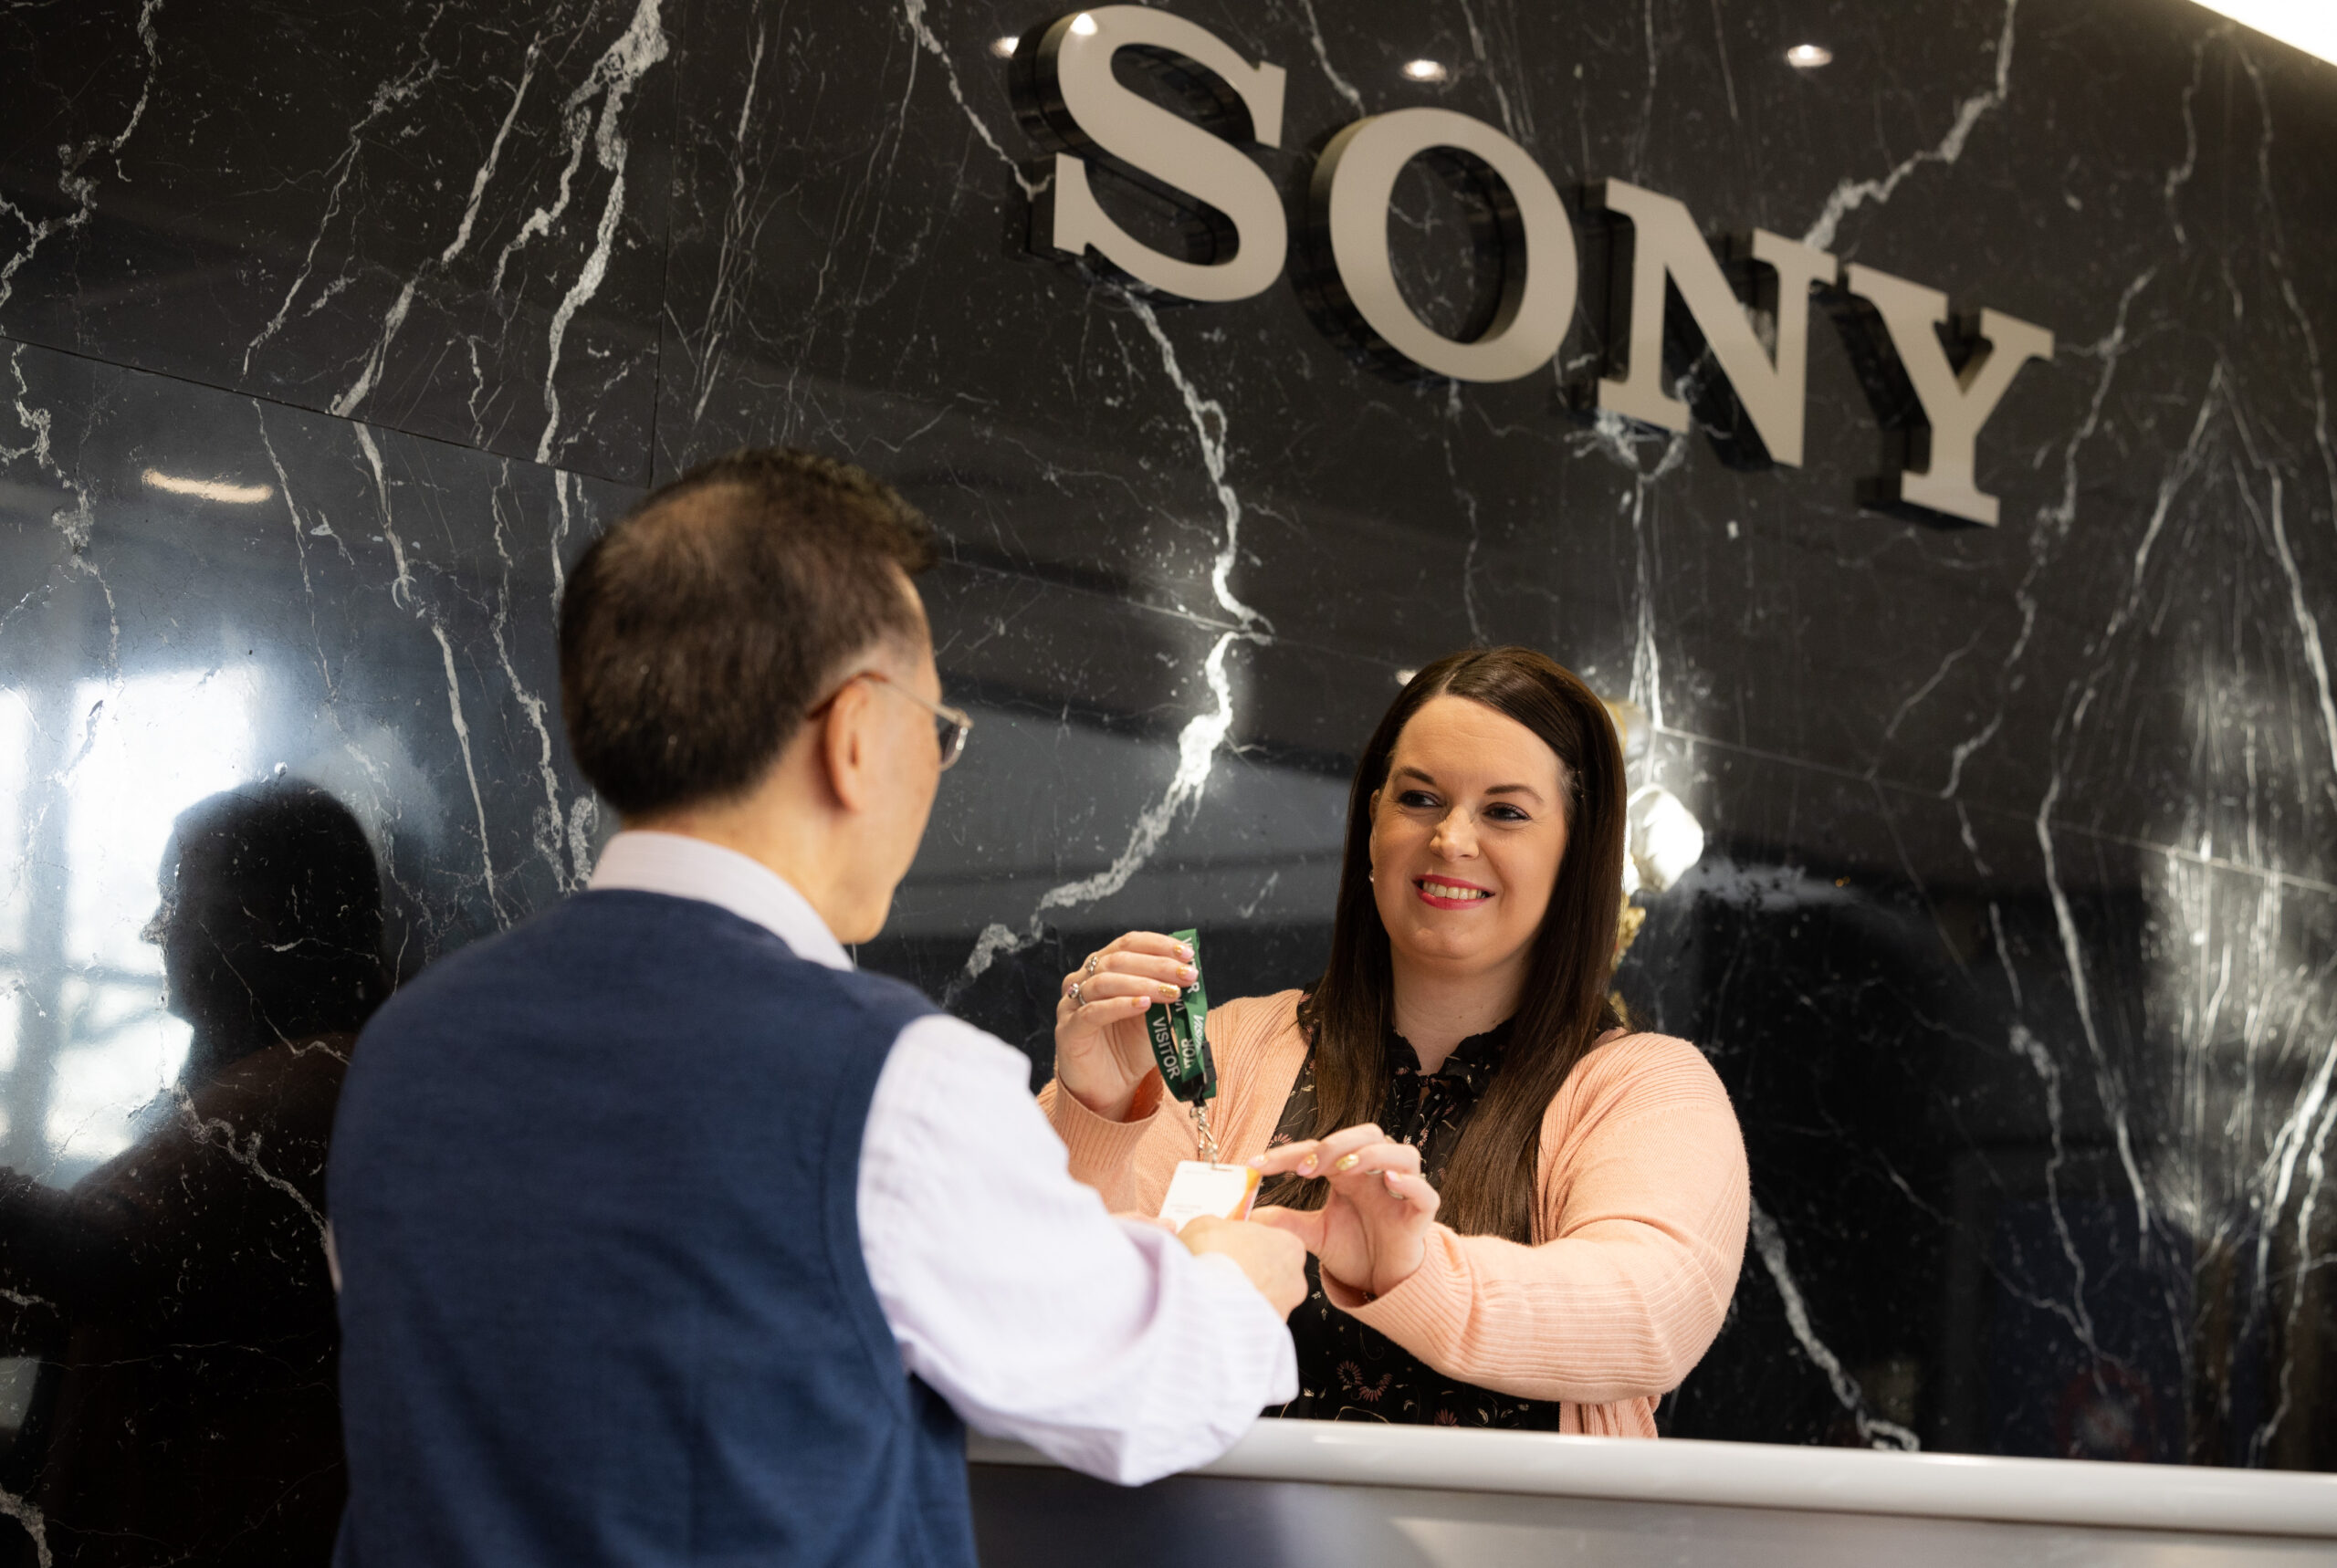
1408,771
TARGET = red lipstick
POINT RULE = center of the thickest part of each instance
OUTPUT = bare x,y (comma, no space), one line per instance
1477,897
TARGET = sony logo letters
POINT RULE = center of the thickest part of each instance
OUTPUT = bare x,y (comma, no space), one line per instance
1931,405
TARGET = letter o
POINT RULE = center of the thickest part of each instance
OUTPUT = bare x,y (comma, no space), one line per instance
1354,183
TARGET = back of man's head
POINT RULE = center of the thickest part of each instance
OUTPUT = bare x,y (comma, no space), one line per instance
697,632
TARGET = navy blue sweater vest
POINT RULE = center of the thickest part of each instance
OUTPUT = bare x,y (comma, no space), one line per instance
593,1190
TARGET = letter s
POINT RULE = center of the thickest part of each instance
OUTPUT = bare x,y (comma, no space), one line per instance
1070,96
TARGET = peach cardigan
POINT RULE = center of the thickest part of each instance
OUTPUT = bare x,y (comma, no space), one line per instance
1644,1204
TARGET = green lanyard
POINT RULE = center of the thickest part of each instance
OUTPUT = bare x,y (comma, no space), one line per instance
1180,1036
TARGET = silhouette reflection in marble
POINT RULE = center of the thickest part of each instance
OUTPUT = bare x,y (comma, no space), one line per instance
178,1297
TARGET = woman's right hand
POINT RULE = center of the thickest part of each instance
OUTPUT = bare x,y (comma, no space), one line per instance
1102,1053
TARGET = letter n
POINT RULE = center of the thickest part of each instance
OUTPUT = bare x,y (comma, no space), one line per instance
1681,304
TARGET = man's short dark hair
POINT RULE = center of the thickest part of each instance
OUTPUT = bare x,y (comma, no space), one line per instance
697,632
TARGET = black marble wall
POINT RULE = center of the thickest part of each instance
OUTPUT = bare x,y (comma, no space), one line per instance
331,335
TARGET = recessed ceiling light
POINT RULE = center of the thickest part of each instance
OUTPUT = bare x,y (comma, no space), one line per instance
1425,70
1083,25
2308,25
1808,57
1003,47
207,489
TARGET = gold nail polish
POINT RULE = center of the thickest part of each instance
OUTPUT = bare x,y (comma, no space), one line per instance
1346,1162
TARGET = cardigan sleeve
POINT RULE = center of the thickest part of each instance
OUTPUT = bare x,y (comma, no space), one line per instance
1104,1153
1131,1163
1647,1175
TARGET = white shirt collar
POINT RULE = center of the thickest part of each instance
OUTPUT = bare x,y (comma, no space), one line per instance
682,867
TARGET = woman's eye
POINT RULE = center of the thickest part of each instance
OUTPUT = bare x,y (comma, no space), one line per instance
1416,799
1506,814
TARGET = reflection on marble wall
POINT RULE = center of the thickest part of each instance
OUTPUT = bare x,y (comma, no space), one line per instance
210,592
329,339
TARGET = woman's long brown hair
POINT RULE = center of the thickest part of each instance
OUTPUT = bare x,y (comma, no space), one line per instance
1490,1183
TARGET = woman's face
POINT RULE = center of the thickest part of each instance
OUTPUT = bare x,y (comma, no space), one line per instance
1466,838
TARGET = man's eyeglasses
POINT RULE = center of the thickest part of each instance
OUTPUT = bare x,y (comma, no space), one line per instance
952,725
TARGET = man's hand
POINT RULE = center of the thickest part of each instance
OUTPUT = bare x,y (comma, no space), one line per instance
1274,1260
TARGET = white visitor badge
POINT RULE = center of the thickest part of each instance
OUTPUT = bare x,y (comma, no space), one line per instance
1198,1189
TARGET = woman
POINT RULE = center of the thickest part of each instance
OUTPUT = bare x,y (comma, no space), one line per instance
1520,1214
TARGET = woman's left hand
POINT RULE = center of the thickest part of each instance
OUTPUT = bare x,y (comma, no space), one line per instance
1371,1232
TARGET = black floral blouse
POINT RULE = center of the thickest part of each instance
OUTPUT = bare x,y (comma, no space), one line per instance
1346,1370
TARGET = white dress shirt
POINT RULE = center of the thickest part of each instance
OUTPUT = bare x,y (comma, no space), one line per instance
1102,1343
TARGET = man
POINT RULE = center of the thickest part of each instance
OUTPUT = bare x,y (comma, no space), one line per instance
176,1295
665,1234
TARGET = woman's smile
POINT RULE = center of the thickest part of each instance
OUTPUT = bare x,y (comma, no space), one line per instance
1449,893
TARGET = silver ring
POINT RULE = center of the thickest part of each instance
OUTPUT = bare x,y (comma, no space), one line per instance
1075,995
1095,962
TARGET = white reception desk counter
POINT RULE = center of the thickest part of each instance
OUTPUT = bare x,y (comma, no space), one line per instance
2063,1507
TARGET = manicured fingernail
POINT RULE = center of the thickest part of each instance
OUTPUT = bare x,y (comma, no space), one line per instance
1257,1162
1346,1162
1169,991
1307,1165
1188,974
1185,952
